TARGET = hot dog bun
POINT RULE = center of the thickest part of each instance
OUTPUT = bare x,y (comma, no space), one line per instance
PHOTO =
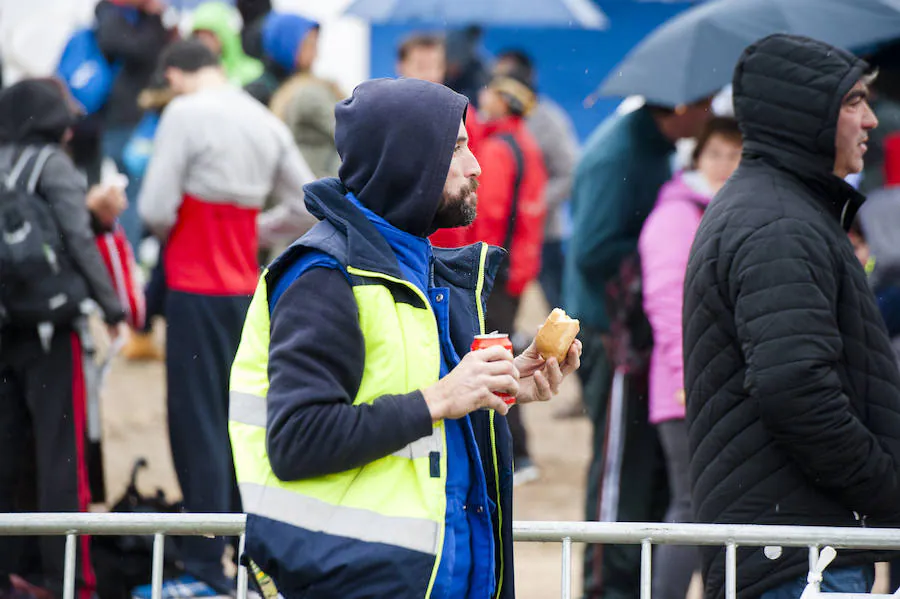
556,335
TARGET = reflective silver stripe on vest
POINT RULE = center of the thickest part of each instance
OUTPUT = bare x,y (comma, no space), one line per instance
312,514
247,408
421,448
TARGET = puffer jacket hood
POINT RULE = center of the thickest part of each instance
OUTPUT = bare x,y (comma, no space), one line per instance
788,91
396,138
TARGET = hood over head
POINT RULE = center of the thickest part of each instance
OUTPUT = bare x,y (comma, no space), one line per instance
396,138
282,34
222,20
788,91
35,111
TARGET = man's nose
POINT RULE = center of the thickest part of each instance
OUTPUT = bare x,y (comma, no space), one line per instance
870,121
474,168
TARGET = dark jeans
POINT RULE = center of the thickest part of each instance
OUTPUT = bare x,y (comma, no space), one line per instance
203,333
674,565
42,444
114,141
627,477
502,309
856,579
551,277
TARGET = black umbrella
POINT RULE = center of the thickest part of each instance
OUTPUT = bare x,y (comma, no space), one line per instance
693,55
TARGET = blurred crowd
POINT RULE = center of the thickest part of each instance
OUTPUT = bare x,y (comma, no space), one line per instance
172,161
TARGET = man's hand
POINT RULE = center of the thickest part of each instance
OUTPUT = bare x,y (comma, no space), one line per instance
540,379
472,385
106,202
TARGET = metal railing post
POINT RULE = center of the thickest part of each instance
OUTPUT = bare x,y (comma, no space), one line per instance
566,568
69,567
242,570
156,576
730,571
646,568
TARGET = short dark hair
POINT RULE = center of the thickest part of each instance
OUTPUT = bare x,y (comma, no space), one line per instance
188,55
418,40
520,58
724,126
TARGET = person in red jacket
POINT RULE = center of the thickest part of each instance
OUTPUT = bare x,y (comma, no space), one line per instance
511,212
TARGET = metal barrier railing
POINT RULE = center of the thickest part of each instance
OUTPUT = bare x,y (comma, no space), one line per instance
615,533
159,525
730,536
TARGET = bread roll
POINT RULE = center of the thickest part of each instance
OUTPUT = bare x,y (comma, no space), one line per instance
556,335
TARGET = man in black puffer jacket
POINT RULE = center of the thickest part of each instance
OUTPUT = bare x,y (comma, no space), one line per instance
793,392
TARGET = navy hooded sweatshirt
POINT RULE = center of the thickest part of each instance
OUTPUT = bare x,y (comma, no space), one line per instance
393,173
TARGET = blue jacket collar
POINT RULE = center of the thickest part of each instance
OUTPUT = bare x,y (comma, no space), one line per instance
413,253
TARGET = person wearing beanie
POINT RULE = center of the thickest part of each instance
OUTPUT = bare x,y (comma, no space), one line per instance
217,156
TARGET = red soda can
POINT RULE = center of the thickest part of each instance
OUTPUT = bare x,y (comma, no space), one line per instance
491,340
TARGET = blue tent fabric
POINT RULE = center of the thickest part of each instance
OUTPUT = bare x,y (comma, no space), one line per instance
570,63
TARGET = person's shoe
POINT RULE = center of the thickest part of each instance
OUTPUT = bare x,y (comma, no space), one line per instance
524,471
141,347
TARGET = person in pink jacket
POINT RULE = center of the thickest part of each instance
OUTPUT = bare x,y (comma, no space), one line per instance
664,245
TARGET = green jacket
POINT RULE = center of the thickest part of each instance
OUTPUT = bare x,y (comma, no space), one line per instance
224,22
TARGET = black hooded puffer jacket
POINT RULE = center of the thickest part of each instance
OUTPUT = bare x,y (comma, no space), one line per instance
793,392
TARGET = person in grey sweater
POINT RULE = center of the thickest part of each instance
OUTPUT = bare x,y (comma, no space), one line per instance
218,155
555,134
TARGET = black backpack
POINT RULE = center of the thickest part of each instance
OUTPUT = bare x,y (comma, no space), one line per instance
631,336
38,281
124,562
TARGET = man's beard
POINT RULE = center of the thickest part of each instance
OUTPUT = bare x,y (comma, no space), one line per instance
455,211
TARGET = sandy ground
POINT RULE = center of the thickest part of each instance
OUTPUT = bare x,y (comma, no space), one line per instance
134,425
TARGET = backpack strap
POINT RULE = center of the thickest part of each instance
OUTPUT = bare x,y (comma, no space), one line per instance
519,157
38,167
12,179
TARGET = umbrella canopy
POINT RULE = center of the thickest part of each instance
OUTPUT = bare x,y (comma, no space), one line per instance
504,13
693,55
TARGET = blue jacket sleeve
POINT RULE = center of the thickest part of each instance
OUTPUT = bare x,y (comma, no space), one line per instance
316,362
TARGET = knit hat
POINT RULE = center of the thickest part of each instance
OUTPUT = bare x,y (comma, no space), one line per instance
517,88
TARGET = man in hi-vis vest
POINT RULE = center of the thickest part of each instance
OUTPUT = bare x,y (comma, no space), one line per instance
372,460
